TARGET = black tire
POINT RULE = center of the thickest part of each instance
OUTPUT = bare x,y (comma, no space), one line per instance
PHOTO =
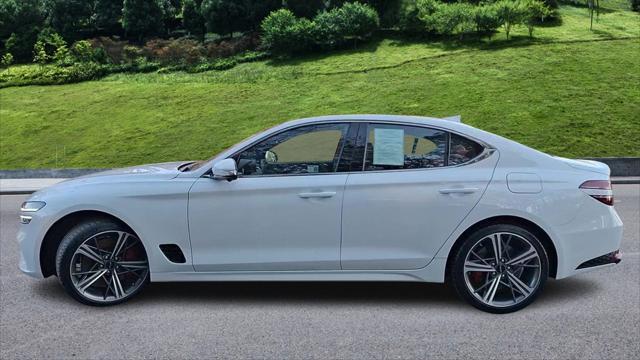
457,271
68,246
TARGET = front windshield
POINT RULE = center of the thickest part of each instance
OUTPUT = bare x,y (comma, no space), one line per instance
198,164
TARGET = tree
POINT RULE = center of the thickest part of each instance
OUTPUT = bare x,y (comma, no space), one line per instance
192,19
225,17
305,8
594,8
141,18
107,16
257,10
635,5
7,60
69,17
20,23
172,11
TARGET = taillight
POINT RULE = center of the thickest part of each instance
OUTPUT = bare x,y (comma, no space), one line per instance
599,190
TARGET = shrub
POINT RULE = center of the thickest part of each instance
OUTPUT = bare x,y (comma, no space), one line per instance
7,60
131,53
533,12
50,46
408,20
173,52
635,5
40,55
62,56
282,32
358,20
52,75
447,19
230,47
510,13
82,51
109,50
328,29
486,18
456,18
219,64
426,13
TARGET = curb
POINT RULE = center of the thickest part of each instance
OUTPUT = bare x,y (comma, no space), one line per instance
621,166
46,173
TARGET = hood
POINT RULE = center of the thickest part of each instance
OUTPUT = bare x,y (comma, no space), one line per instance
167,170
163,171
586,165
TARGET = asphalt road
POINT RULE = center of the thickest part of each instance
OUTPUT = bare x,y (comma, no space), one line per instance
590,316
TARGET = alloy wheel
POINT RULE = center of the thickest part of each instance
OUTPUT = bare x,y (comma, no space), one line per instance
502,269
109,266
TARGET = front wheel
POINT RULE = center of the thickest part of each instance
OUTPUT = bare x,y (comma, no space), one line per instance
500,268
100,262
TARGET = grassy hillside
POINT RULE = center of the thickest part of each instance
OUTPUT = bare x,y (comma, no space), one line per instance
569,92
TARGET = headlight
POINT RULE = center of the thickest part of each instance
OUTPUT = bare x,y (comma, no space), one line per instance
32,206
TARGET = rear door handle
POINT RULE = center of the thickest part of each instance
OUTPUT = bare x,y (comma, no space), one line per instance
323,194
458,191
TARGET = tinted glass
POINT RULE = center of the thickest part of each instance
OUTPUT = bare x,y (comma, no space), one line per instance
304,150
392,147
463,150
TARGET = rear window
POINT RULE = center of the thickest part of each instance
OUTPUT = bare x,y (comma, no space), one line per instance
462,150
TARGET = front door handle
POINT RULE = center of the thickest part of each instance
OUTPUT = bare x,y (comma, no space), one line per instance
458,191
323,194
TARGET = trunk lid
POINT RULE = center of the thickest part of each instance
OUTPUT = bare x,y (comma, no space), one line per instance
586,165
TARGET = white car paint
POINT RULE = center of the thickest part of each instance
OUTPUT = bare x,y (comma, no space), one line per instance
387,225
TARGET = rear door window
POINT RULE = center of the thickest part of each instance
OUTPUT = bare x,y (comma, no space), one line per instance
393,147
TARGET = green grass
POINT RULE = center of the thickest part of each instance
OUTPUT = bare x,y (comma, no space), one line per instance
565,92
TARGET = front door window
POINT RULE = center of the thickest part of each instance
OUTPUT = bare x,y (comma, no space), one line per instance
304,150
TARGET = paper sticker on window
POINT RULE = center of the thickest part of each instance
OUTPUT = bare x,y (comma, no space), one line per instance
388,147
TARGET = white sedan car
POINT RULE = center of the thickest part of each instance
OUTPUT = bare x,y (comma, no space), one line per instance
337,198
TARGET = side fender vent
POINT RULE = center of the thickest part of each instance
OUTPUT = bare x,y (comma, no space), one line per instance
173,253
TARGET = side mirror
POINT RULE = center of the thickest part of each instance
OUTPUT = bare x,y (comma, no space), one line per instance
225,170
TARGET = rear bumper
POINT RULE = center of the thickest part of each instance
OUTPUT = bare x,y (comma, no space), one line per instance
607,259
589,242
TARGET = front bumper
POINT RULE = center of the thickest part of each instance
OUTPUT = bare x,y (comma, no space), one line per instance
29,240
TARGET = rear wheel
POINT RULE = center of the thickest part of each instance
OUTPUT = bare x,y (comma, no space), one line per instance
500,268
100,262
